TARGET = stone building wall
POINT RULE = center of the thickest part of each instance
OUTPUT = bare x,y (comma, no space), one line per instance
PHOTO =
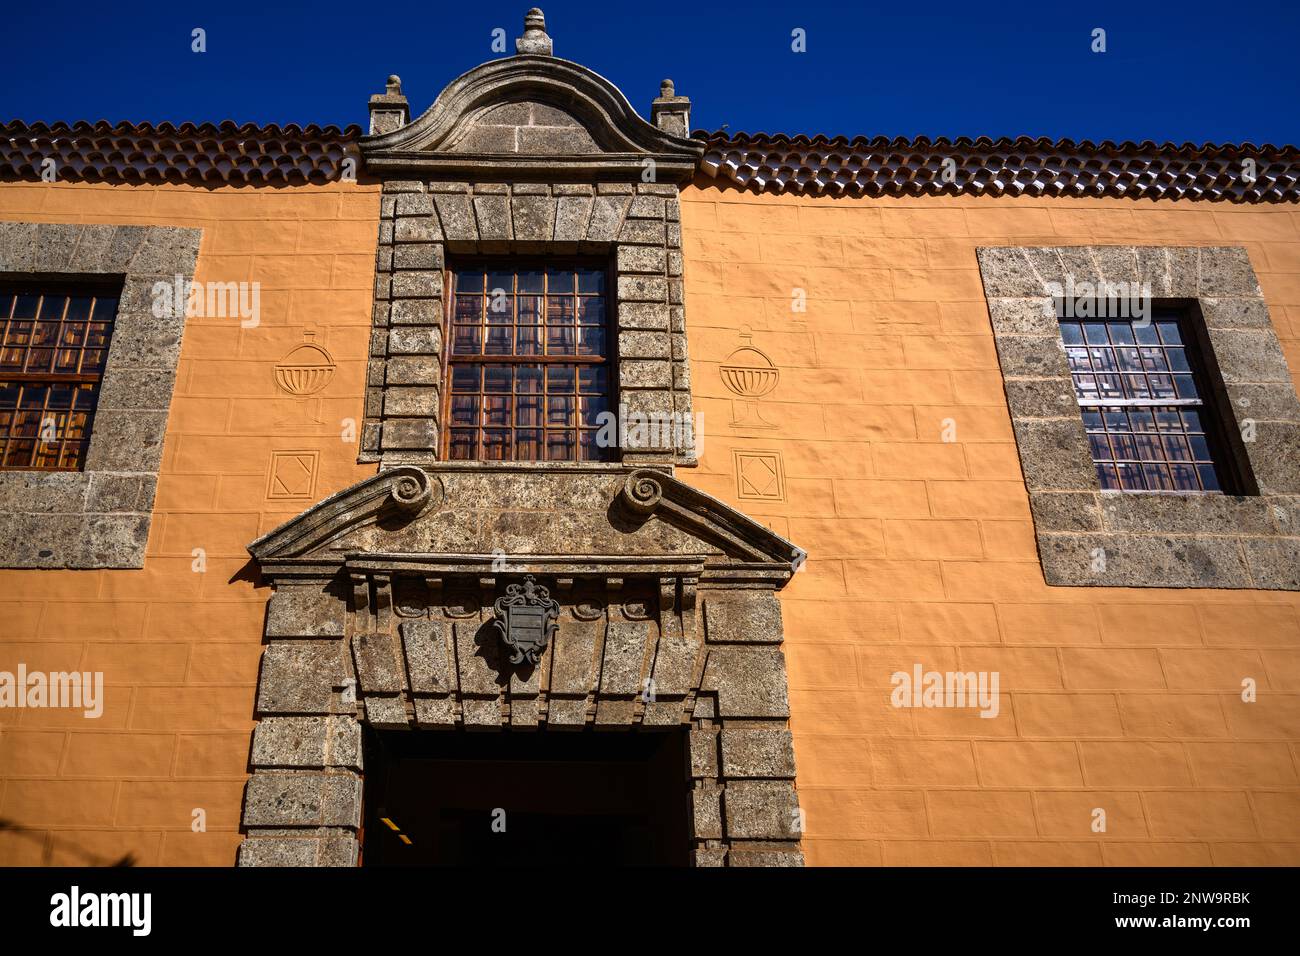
920,550
179,647
923,550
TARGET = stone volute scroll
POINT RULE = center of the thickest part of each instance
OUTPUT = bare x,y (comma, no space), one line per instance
526,618
641,493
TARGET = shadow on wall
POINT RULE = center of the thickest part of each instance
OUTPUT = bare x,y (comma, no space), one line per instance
49,841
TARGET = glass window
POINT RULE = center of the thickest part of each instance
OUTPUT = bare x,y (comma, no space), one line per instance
1143,404
53,347
528,364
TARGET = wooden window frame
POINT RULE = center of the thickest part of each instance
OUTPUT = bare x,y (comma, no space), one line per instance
609,360
58,287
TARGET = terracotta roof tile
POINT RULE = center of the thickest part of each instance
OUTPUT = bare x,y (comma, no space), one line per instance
1002,167
209,153
280,155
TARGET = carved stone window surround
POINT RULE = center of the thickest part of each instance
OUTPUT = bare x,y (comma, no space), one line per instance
1087,537
99,517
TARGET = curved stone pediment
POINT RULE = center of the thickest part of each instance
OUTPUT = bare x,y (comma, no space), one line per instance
532,112
556,520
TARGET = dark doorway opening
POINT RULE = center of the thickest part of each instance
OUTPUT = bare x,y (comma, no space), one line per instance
514,798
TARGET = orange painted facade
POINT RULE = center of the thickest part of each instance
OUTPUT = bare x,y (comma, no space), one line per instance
921,549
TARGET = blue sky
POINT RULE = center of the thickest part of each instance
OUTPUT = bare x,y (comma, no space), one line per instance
1171,71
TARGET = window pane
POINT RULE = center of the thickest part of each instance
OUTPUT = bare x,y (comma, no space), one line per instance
497,378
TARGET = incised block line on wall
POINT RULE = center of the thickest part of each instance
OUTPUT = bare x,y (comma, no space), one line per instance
99,517
637,224
1087,536
382,614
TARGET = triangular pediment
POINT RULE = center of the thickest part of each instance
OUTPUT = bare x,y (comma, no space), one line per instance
532,113
578,517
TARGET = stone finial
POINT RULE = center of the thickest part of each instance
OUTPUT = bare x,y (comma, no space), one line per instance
389,109
534,40
670,112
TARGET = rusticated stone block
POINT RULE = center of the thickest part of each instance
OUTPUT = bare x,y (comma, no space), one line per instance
567,711
761,810
1193,514
435,711
1054,453
482,712
573,664
533,218
1032,356
415,311
413,204
479,654
126,440
571,217
651,316
1072,511
649,232
415,340
307,742
492,213
417,285
1249,356
674,667
1226,271
414,370
709,857
418,256
649,259
300,677
1235,313
1275,457
303,798
644,345
742,617
743,856
625,646
415,229
1028,316
386,712
298,851
749,681
634,373
615,712
456,217
757,752
1156,560
378,662
706,812
704,753
606,218
426,656
413,434
1274,562
410,401
309,610
1007,273
1042,398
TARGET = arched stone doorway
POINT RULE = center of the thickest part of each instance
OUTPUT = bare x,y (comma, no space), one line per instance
382,614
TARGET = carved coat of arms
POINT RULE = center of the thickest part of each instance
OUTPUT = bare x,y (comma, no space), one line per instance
526,618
